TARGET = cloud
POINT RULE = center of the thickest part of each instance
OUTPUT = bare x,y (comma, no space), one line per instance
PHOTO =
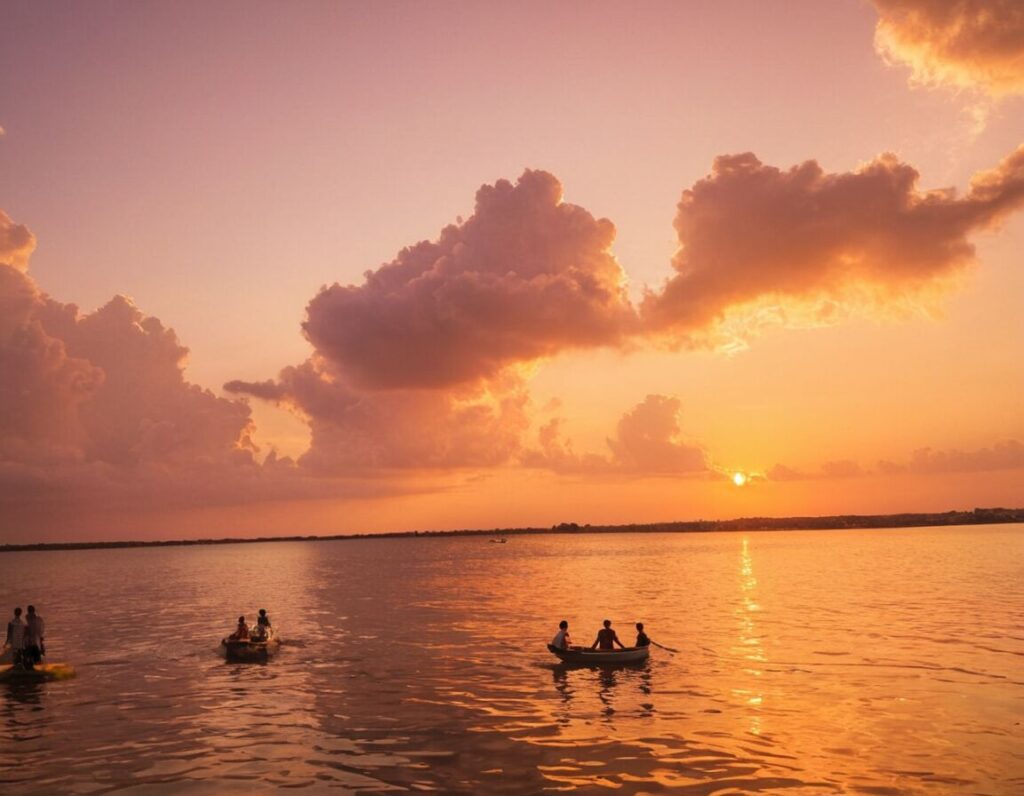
958,43
524,277
42,387
647,441
1005,455
840,468
772,246
96,403
16,243
418,367
355,430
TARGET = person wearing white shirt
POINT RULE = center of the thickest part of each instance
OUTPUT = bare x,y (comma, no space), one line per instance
561,639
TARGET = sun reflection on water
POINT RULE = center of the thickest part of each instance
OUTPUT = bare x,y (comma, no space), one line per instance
749,647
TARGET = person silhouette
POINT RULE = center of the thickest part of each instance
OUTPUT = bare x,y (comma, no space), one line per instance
606,637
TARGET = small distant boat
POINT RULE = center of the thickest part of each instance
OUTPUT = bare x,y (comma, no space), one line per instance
9,673
587,656
250,650
502,540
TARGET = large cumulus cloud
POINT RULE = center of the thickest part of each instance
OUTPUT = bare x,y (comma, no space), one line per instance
962,43
417,366
526,276
96,400
751,234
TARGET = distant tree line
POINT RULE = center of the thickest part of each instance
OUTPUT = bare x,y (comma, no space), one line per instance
979,516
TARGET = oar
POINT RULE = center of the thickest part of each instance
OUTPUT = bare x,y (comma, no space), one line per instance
662,646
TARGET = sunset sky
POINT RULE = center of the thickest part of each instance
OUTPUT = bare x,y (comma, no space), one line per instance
325,267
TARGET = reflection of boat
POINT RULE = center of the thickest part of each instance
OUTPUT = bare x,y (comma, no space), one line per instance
499,541
252,649
43,671
587,656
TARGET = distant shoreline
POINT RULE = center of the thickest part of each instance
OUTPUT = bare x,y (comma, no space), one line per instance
979,516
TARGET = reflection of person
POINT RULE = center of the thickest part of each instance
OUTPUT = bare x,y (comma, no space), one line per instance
35,632
16,637
606,637
241,632
561,639
641,637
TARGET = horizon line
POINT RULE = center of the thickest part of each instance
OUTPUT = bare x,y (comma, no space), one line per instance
828,522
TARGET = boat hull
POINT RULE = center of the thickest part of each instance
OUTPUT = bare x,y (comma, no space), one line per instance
38,673
588,657
249,651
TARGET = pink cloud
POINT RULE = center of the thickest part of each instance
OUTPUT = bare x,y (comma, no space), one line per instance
1005,455
416,367
16,243
526,276
962,43
648,440
357,430
753,233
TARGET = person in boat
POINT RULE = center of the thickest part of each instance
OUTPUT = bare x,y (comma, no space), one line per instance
35,630
606,637
241,632
262,629
16,637
561,639
641,638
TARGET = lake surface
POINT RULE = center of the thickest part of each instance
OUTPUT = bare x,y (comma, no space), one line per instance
877,662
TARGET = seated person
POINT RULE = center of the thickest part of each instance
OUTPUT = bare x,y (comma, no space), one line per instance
606,637
561,639
241,632
641,637
264,620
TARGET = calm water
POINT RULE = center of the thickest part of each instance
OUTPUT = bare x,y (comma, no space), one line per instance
811,662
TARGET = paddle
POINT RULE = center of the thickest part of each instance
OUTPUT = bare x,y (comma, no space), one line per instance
662,646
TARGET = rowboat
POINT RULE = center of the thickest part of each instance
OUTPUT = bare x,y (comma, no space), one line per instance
587,656
250,650
38,673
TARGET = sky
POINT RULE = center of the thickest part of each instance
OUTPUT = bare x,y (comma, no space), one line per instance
298,268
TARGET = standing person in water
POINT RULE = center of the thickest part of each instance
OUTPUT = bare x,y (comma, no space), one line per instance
606,637
561,639
641,637
35,633
16,637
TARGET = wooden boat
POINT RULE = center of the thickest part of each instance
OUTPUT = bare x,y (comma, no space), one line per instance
250,650
10,673
587,656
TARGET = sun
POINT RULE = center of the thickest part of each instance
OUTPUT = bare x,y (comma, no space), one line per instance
739,479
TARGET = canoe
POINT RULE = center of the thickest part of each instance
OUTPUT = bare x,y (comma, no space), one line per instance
250,650
587,656
38,673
